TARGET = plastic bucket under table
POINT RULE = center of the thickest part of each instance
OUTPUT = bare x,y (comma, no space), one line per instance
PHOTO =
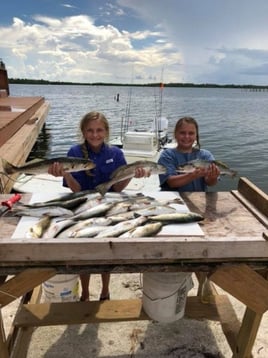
165,294
61,288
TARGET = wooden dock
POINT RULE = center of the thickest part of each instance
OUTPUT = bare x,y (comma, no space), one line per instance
21,120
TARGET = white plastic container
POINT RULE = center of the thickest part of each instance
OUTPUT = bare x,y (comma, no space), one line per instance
165,294
61,288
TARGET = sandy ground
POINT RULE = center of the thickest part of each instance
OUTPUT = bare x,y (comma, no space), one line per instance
184,338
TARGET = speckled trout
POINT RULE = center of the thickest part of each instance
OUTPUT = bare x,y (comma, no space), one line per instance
128,171
39,166
200,163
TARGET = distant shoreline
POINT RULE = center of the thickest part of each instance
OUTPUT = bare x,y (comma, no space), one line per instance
202,85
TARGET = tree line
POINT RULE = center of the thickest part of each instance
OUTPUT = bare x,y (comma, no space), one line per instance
203,85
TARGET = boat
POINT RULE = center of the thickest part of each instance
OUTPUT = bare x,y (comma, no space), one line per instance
21,121
143,144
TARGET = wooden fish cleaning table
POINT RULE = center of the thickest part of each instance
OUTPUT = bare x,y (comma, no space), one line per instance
233,253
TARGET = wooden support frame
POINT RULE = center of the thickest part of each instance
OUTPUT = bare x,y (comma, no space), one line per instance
216,259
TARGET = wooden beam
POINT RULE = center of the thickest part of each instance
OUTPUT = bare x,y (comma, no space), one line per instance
22,283
244,284
254,195
19,337
17,148
47,314
3,344
247,334
115,251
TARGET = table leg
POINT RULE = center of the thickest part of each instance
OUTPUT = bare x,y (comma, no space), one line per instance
247,334
3,343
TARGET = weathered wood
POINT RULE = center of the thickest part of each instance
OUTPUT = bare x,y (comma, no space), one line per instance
229,321
232,234
253,194
22,283
17,148
3,346
47,314
19,338
9,125
244,284
68,252
247,334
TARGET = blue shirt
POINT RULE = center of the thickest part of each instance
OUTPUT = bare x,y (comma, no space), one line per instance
171,158
106,160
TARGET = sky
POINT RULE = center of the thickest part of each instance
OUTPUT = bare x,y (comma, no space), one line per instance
136,41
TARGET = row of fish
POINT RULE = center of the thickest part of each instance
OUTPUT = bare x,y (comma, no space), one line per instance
90,214
38,166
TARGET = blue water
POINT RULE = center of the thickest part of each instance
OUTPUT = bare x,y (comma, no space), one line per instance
233,122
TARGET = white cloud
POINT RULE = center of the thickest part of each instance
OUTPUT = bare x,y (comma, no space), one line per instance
195,41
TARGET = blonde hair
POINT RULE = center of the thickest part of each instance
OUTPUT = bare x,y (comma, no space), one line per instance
94,116
188,120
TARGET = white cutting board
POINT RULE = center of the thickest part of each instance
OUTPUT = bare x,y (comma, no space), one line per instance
189,229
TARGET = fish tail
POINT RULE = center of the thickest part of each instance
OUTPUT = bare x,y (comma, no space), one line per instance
233,173
103,188
8,167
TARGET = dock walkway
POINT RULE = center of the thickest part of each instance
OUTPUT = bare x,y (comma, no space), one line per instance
21,120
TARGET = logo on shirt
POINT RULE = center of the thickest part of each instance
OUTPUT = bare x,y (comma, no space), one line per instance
109,161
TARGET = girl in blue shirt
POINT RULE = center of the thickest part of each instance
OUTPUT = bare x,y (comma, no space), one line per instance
186,135
95,131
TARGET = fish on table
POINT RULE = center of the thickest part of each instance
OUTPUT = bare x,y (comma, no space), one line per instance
52,211
40,166
83,224
177,218
37,230
190,166
57,227
67,204
106,218
128,171
120,228
155,210
150,229
89,231
97,210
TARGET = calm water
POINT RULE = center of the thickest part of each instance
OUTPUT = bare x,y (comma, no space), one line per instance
233,122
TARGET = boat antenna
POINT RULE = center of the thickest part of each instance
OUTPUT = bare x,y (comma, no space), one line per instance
126,119
159,109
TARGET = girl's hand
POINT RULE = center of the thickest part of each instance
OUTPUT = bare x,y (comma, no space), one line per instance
56,169
141,172
199,173
212,172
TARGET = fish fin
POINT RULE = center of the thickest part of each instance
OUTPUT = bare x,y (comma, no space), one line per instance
234,174
221,164
103,188
118,170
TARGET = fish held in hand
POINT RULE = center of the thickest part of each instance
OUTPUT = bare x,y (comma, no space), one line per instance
128,171
39,166
190,166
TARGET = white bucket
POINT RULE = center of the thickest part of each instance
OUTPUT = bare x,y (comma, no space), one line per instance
61,288
164,295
